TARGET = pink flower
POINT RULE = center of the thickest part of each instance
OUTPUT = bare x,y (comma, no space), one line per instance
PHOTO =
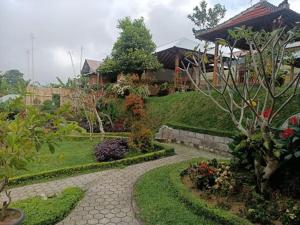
287,133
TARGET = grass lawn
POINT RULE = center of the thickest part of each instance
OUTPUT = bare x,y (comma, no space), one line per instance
158,204
196,110
50,211
67,153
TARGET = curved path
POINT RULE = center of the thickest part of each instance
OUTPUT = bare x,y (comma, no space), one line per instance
108,198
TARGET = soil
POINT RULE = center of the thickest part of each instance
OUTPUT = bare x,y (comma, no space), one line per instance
230,203
12,217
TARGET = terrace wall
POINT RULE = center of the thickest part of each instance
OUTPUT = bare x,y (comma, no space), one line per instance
203,141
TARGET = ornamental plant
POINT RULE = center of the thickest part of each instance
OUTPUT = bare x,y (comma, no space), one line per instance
22,136
111,150
254,103
288,142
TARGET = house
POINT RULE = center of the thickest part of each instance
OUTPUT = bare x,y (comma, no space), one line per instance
172,55
261,16
89,70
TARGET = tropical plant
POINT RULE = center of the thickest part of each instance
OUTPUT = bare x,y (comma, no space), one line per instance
24,135
253,104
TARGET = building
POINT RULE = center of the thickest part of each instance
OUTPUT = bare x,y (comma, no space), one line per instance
260,16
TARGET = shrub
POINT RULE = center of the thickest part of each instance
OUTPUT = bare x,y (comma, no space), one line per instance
242,152
291,215
48,106
141,90
111,150
140,137
135,105
202,175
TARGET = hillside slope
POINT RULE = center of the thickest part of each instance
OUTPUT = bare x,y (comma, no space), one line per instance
197,110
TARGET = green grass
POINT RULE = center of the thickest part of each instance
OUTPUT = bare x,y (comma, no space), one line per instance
196,110
67,153
157,203
48,212
162,199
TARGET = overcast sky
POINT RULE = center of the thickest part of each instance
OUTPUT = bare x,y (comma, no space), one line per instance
60,26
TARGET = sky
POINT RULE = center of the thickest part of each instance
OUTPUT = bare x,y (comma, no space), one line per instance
61,28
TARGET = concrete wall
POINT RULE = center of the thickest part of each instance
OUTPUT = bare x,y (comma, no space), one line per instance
203,141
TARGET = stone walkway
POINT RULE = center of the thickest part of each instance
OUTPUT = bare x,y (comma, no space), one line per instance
108,198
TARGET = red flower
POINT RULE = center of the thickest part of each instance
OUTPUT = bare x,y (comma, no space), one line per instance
177,69
287,133
267,113
293,120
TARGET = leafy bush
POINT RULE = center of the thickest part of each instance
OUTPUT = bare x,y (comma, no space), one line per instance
201,174
140,137
48,106
140,90
111,150
259,210
291,215
135,105
242,152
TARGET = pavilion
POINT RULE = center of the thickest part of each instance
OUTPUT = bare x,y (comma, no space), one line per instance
261,16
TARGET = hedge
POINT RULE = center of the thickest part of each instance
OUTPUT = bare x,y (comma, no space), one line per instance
50,211
199,206
91,167
202,130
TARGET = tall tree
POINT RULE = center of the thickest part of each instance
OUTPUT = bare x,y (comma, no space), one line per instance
12,82
206,18
132,53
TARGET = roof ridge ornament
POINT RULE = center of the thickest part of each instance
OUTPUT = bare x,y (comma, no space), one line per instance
284,5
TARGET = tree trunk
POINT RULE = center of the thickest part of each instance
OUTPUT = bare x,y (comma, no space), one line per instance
5,204
99,121
264,173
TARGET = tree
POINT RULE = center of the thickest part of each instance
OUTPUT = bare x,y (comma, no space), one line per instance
133,51
254,104
205,18
24,135
12,82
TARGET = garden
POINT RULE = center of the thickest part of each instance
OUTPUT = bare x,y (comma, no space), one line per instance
260,183
113,126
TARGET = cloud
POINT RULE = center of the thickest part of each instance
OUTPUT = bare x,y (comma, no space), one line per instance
60,26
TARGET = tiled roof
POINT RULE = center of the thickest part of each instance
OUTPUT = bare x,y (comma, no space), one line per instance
261,8
93,64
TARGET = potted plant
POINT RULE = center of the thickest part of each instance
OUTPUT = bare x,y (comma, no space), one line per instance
20,139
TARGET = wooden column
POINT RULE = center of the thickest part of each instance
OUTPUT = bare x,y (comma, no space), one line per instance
216,59
175,70
292,72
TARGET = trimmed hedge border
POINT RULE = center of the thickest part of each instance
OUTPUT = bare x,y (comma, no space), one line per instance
51,211
201,130
91,167
199,206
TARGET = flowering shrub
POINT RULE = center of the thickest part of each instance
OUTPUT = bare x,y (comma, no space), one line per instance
224,181
111,150
120,90
289,140
202,175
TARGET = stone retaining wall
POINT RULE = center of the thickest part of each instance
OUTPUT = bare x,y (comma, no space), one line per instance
204,141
